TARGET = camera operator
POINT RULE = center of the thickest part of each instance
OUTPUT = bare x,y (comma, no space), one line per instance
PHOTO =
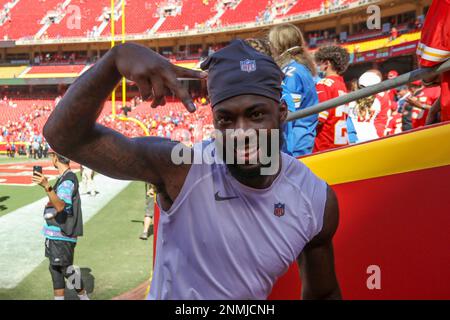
63,224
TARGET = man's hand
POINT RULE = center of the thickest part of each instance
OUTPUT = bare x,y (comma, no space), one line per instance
412,100
152,73
416,103
41,180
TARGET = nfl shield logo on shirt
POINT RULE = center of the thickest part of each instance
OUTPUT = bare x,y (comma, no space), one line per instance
248,65
278,209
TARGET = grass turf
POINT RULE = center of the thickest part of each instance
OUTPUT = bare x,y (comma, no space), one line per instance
13,197
4,159
112,258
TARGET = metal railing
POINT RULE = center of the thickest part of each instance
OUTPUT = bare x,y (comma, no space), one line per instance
403,79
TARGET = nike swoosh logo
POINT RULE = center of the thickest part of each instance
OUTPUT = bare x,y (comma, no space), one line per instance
219,198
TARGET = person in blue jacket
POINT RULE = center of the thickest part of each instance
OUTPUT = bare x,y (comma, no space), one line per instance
299,91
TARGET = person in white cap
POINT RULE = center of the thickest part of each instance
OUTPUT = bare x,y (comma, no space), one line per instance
363,112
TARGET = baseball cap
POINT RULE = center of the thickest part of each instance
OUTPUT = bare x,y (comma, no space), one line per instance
368,79
404,87
61,158
239,69
392,74
417,83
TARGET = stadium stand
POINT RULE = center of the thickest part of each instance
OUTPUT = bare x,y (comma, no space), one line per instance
61,71
248,11
53,71
24,22
383,42
55,19
11,72
92,15
193,13
303,6
141,16
22,118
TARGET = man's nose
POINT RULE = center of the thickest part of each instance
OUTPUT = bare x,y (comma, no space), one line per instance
242,124
244,133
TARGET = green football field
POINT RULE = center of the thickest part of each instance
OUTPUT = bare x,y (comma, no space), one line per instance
112,258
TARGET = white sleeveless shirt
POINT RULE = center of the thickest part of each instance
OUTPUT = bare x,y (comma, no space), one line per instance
224,240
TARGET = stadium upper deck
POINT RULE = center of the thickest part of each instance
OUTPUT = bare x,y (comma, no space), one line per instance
59,19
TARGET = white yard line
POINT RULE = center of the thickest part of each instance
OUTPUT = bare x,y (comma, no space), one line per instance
21,242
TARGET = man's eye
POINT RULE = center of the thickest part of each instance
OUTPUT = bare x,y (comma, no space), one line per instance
223,121
257,115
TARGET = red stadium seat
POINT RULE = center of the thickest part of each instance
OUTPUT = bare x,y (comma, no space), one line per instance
25,18
246,11
193,12
141,16
303,6
91,12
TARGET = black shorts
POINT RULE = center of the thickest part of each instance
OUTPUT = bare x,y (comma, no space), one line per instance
60,253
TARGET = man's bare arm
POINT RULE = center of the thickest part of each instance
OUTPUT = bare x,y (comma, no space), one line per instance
72,130
316,261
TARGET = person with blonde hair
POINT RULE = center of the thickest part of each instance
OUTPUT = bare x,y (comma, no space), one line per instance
260,45
364,111
291,54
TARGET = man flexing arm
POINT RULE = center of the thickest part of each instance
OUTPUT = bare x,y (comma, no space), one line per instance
72,130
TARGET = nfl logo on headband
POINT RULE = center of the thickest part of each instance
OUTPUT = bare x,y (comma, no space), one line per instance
248,65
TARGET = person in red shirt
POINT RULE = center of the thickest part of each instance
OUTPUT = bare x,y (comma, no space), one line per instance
394,123
394,33
434,48
393,92
332,126
387,105
422,101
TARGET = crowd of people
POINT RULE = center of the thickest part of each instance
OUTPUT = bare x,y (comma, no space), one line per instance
177,124
23,136
312,79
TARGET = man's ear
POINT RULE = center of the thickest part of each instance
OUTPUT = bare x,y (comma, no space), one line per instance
283,111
